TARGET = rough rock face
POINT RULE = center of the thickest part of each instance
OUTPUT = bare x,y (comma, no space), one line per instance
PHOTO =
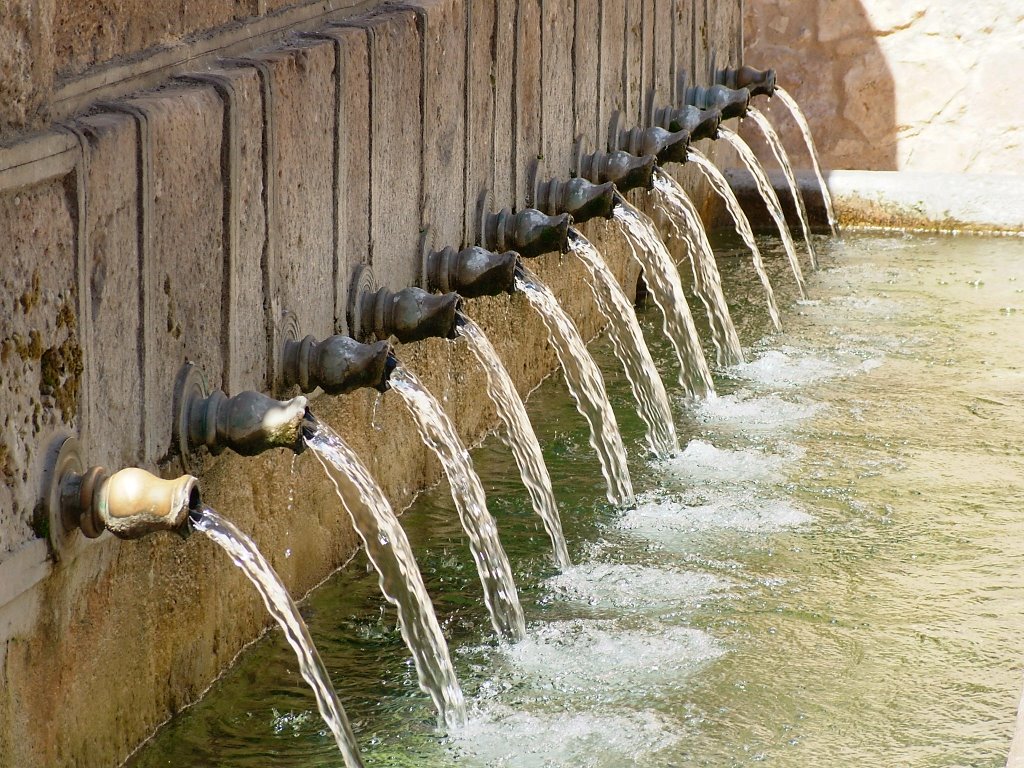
897,84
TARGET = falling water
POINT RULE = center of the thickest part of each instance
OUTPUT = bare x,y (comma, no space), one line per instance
719,183
522,439
438,433
787,169
388,549
805,129
663,281
628,342
771,200
586,385
243,551
680,211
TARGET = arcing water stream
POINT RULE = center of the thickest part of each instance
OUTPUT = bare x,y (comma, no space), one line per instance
521,438
775,144
387,548
805,129
585,383
630,347
438,432
828,574
663,281
771,200
721,186
684,219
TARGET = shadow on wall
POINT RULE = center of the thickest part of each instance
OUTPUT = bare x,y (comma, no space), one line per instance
827,56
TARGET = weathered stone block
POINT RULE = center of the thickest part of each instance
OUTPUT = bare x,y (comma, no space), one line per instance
586,68
397,152
443,25
303,161
352,172
663,55
112,362
183,260
480,115
613,70
504,184
40,346
557,87
527,102
634,61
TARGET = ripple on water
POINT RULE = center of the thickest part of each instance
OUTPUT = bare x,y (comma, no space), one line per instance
761,413
634,587
658,518
702,462
599,659
507,737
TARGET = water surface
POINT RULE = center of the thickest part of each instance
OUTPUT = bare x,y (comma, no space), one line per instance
828,573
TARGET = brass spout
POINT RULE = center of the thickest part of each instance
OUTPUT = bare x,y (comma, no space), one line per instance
699,123
411,314
248,423
472,272
666,146
530,232
578,197
622,169
760,82
731,102
337,365
131,503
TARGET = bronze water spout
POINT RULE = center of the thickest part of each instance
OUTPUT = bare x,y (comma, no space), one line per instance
337,365
699,123
579,197
731,102
248,423
760,82
471,272
130,503
622,169
666,146
529,232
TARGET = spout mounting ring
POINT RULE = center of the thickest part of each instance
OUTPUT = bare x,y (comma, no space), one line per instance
286,330
189,388
616,124
483,213
362,289
63,457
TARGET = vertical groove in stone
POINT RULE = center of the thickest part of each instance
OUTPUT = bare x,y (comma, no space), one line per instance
230,164
147,322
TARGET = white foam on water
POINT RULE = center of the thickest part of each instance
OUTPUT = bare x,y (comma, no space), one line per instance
507,737
634,587
748,513
786,367
748,412
702,462
599,658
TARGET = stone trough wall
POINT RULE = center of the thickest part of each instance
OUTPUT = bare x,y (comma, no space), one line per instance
168,191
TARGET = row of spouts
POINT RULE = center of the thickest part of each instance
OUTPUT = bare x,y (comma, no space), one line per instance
132,503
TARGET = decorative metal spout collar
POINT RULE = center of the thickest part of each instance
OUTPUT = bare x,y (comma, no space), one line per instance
622,169
579,197
529,232
760,82
248,423
471,272
131,503
732,102
699,123
337,365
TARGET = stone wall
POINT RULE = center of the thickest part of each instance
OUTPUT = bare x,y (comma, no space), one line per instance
898,84
191,195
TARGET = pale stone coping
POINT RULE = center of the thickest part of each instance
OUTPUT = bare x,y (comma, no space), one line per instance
912,199
1015,759
43,156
